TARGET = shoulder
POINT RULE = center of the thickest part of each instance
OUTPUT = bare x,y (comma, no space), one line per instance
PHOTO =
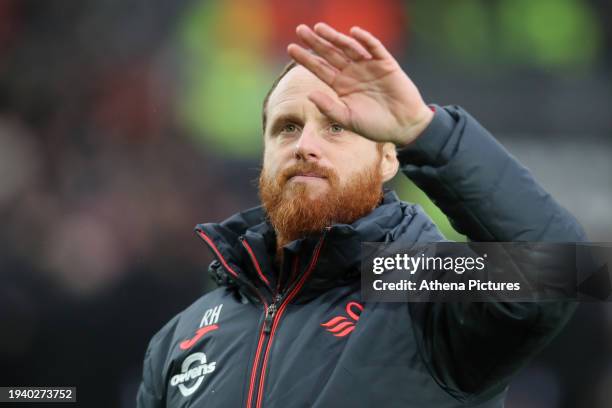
417,225
181,326
158,356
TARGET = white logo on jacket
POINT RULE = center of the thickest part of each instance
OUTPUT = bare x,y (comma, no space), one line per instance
211,316
191,372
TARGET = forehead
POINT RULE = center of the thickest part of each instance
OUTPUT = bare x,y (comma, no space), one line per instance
292,91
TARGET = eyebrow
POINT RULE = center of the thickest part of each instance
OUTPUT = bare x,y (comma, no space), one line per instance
282,119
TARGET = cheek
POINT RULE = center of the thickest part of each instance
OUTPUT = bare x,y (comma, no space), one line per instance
354,169
352,162
271,163
276,156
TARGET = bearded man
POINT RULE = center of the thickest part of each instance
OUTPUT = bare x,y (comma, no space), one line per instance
288,327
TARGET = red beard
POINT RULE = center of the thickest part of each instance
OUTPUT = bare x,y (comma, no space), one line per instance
294,215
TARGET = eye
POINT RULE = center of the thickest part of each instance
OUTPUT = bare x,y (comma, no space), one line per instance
289,128
336,128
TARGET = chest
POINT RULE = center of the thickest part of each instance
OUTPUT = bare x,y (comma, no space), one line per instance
332,351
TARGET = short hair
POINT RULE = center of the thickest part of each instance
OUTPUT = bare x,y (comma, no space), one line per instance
284,72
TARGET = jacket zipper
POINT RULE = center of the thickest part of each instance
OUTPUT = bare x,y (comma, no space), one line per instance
269,310
272,316
272,312
269,315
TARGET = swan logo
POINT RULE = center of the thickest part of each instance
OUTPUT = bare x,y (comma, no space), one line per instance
341,326
193,370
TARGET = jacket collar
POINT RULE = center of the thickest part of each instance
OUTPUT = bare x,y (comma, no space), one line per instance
244,246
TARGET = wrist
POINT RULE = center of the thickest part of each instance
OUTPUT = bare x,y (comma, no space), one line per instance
432,146
418,126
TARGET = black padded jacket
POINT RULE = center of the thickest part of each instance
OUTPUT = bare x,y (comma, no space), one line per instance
301,336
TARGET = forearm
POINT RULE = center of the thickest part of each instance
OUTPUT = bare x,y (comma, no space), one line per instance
487,194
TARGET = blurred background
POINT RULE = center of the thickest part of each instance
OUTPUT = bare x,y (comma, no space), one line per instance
123,124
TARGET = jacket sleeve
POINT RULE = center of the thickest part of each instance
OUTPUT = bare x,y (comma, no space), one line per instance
472,349
151,392
148,395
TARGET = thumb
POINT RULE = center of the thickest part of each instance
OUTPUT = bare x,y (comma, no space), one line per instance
334,110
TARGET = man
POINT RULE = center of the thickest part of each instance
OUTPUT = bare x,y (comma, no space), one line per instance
288,327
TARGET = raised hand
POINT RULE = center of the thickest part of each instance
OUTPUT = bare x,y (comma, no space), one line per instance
377,99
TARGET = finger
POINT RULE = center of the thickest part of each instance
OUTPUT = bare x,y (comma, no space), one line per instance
322,47
315,64
334,110
371,43
351,47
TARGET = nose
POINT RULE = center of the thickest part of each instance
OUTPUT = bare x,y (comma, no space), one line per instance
308,146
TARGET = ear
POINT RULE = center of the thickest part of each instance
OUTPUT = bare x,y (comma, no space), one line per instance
389,165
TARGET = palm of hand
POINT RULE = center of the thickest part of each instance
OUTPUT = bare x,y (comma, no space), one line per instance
377,99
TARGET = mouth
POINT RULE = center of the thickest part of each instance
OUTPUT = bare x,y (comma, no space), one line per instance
311,175
306,176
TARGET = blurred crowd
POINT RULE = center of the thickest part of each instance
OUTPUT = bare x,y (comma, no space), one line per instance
116,139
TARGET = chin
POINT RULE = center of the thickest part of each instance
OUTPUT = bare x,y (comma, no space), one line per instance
316,195
307,191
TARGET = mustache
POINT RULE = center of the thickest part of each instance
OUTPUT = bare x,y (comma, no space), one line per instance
306,168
